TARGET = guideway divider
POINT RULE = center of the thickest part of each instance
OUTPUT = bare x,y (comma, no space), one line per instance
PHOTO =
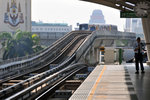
109,82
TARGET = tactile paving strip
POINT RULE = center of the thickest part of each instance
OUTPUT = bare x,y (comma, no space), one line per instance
84,89
115,84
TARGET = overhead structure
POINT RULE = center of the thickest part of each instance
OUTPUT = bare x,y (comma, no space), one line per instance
141,7
123,5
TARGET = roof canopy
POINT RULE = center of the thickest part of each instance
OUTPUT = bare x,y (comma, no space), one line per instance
123,5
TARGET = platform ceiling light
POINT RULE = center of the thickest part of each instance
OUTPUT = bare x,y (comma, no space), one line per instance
129,3
118,5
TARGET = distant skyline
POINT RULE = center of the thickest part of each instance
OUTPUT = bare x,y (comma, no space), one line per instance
72,12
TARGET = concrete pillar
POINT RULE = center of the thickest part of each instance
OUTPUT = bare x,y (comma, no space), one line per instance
93,50
98,54
89,54
146,28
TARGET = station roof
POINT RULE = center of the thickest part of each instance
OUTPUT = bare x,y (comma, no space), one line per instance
123,5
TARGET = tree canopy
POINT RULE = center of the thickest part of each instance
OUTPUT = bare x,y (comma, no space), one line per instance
19,44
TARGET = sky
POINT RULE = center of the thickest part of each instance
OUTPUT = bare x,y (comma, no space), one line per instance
73,12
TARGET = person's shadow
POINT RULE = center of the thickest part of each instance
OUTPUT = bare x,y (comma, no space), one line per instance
139,86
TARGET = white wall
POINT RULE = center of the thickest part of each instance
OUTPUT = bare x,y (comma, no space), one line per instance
51,29
25,9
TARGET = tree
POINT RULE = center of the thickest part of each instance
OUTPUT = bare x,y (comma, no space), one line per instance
19,44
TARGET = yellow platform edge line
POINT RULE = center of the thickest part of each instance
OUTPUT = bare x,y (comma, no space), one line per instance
96,84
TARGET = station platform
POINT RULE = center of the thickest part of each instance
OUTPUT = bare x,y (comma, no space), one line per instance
115,82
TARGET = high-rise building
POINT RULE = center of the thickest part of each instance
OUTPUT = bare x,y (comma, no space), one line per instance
14,15
128,25
134,25
137,25
97,17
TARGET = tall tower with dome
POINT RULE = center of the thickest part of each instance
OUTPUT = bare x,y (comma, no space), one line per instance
97,17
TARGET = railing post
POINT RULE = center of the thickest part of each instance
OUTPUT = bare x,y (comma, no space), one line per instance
120,56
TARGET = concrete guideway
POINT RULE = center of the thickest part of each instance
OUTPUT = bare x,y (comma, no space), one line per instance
114,82
129,5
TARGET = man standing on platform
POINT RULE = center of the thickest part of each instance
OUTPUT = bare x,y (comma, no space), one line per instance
138,49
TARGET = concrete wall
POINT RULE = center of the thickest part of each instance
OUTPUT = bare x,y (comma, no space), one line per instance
47,38
5,8
89,50
86,53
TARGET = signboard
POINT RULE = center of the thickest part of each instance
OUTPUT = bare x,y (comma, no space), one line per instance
130,14
141,10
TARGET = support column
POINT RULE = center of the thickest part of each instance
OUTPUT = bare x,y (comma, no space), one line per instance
89,54
98,54
146,28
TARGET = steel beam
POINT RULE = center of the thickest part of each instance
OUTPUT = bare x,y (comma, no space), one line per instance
117,4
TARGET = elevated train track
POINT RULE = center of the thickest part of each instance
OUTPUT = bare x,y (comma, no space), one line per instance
51,55
40,89
57,54
62,53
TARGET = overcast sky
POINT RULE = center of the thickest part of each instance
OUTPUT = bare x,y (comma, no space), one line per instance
72,12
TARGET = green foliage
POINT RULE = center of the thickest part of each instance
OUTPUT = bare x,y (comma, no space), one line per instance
121,43
19,44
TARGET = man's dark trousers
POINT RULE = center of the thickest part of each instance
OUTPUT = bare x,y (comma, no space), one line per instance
139,58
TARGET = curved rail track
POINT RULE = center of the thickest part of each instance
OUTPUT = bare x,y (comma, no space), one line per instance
61,53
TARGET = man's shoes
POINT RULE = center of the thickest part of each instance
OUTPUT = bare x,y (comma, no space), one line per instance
143,71
137,72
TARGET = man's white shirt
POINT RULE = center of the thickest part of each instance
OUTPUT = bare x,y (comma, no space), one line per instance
142,47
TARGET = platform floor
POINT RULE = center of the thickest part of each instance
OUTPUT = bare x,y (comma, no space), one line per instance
115,82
